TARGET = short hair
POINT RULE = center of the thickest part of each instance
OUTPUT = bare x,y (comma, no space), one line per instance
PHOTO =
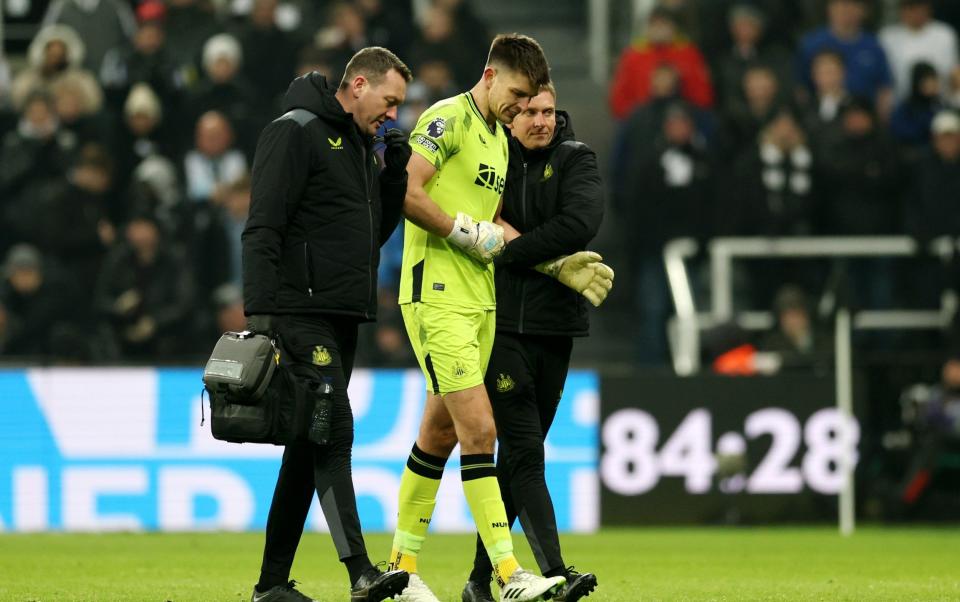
549,87
518,52
374,63
829,53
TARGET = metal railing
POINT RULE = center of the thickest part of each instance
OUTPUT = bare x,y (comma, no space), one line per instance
598,45
684,329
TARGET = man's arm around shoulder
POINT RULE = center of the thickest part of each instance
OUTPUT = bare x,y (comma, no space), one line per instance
578,217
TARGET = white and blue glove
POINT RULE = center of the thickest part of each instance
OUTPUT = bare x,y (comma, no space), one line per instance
482,241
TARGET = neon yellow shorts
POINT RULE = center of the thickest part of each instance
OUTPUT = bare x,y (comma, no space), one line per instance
452,343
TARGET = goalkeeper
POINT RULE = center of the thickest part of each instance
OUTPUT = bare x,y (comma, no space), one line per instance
456,179
554,197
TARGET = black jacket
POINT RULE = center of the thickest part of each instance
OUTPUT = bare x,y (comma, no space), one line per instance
861,185
554,197
933,197
312,241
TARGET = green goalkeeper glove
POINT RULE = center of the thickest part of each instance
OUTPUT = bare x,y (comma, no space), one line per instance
481,240
582,272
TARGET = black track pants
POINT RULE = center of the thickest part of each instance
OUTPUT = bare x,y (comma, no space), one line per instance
524,381
317,348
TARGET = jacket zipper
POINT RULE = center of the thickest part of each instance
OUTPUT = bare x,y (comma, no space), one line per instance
366,189
523,224
307,270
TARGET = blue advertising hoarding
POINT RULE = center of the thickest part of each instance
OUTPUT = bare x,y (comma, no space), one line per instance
123,449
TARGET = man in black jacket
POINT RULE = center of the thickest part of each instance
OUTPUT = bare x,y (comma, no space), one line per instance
554,202
320,209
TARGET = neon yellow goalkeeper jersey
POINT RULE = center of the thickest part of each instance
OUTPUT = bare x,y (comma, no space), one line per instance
471,162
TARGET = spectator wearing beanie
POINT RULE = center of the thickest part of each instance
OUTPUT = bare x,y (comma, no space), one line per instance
933,198
224,89
932,206
141,135
35,306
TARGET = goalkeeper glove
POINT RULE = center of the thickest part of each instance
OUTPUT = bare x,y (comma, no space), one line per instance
481,240
582,272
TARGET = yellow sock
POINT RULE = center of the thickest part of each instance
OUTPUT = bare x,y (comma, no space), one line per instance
480,487
418,497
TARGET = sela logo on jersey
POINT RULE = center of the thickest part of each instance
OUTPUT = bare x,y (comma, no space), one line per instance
488,178
437,127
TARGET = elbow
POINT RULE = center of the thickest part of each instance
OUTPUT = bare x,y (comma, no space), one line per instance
585,231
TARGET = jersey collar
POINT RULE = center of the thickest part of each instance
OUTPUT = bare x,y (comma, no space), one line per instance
473,105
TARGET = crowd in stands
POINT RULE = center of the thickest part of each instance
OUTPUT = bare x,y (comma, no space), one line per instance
127,130
749,118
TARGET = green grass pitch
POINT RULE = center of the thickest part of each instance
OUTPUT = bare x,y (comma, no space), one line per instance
632,564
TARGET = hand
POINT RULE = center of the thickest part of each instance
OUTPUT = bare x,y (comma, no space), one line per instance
397,152
582,272
262,324
127,302
482,241
142,330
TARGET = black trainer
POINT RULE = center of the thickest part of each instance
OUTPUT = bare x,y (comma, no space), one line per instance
280,593
579,585
476,592
376,585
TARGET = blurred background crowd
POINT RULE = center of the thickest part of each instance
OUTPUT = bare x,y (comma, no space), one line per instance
128,127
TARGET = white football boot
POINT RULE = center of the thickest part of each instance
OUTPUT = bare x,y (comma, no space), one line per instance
416,591
524,586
